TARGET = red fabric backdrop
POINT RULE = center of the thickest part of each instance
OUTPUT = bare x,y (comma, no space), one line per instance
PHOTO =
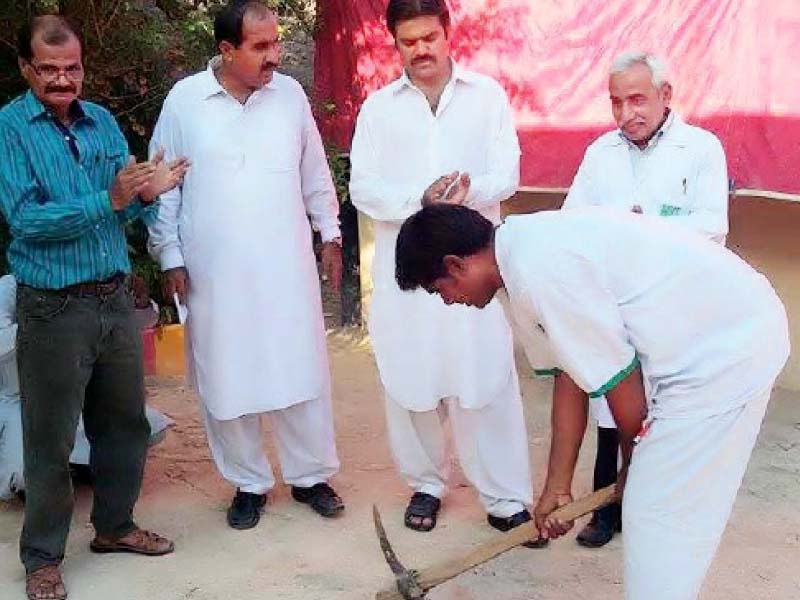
734,66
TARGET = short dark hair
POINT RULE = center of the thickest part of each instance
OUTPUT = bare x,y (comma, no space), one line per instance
404,10
431,234
229,22
54,30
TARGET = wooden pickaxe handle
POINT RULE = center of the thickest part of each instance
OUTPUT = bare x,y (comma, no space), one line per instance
439,573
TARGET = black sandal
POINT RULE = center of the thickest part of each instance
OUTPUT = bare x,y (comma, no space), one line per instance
422,506
320,497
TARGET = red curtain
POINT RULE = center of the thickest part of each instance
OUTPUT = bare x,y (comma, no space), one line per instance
733,65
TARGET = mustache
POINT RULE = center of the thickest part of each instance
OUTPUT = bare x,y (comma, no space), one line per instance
632,122
58,89
420,59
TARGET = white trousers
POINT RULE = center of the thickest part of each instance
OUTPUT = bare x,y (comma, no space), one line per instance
304,438
682,483
491,442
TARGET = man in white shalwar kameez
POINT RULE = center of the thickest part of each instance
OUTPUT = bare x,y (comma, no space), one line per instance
235,242
625,298
441,134
655,164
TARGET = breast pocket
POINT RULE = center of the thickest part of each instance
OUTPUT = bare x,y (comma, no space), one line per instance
672,190
107,162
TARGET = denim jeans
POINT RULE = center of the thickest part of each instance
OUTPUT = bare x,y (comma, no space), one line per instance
78,354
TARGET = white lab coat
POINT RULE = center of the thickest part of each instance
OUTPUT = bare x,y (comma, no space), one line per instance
681,175
240,226
426,350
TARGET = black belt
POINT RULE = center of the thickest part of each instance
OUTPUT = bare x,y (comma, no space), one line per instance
96,288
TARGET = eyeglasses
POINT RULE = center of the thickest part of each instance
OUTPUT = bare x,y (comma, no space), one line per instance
51,73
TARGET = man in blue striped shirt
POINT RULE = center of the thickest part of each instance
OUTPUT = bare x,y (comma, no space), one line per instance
67,189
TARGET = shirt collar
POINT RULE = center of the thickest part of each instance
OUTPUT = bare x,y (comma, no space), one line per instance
675,131
459,73
212,86
671,132
654,139
34,109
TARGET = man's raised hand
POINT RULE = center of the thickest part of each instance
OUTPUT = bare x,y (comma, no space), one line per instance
130,182
459,190
436,190
167,175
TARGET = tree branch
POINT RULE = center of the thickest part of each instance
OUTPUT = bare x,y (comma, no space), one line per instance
9,44
155,95
113,15
97,31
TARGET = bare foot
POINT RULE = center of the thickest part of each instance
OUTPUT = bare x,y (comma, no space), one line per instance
423,523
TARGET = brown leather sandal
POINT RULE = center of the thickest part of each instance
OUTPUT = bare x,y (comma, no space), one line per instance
45,583
138,541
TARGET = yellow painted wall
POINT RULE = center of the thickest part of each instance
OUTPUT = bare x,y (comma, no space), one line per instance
766,233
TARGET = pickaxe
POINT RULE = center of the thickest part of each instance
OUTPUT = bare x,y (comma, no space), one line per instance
412,585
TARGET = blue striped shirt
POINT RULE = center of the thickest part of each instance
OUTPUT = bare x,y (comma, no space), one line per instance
56,200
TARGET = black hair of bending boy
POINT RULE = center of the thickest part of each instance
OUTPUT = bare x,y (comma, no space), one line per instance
431,234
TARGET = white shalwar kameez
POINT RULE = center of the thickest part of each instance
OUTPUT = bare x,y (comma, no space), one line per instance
680,174
239,224
612,291
11,465
426,351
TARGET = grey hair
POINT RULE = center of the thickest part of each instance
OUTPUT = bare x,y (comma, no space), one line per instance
658,69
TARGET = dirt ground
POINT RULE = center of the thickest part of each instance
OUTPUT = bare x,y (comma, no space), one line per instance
295,555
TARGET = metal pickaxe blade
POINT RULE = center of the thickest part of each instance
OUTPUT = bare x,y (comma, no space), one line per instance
406,579
411,582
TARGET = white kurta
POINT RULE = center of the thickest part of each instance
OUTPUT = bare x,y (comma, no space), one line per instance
612,291
239,224
426,350
681,175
